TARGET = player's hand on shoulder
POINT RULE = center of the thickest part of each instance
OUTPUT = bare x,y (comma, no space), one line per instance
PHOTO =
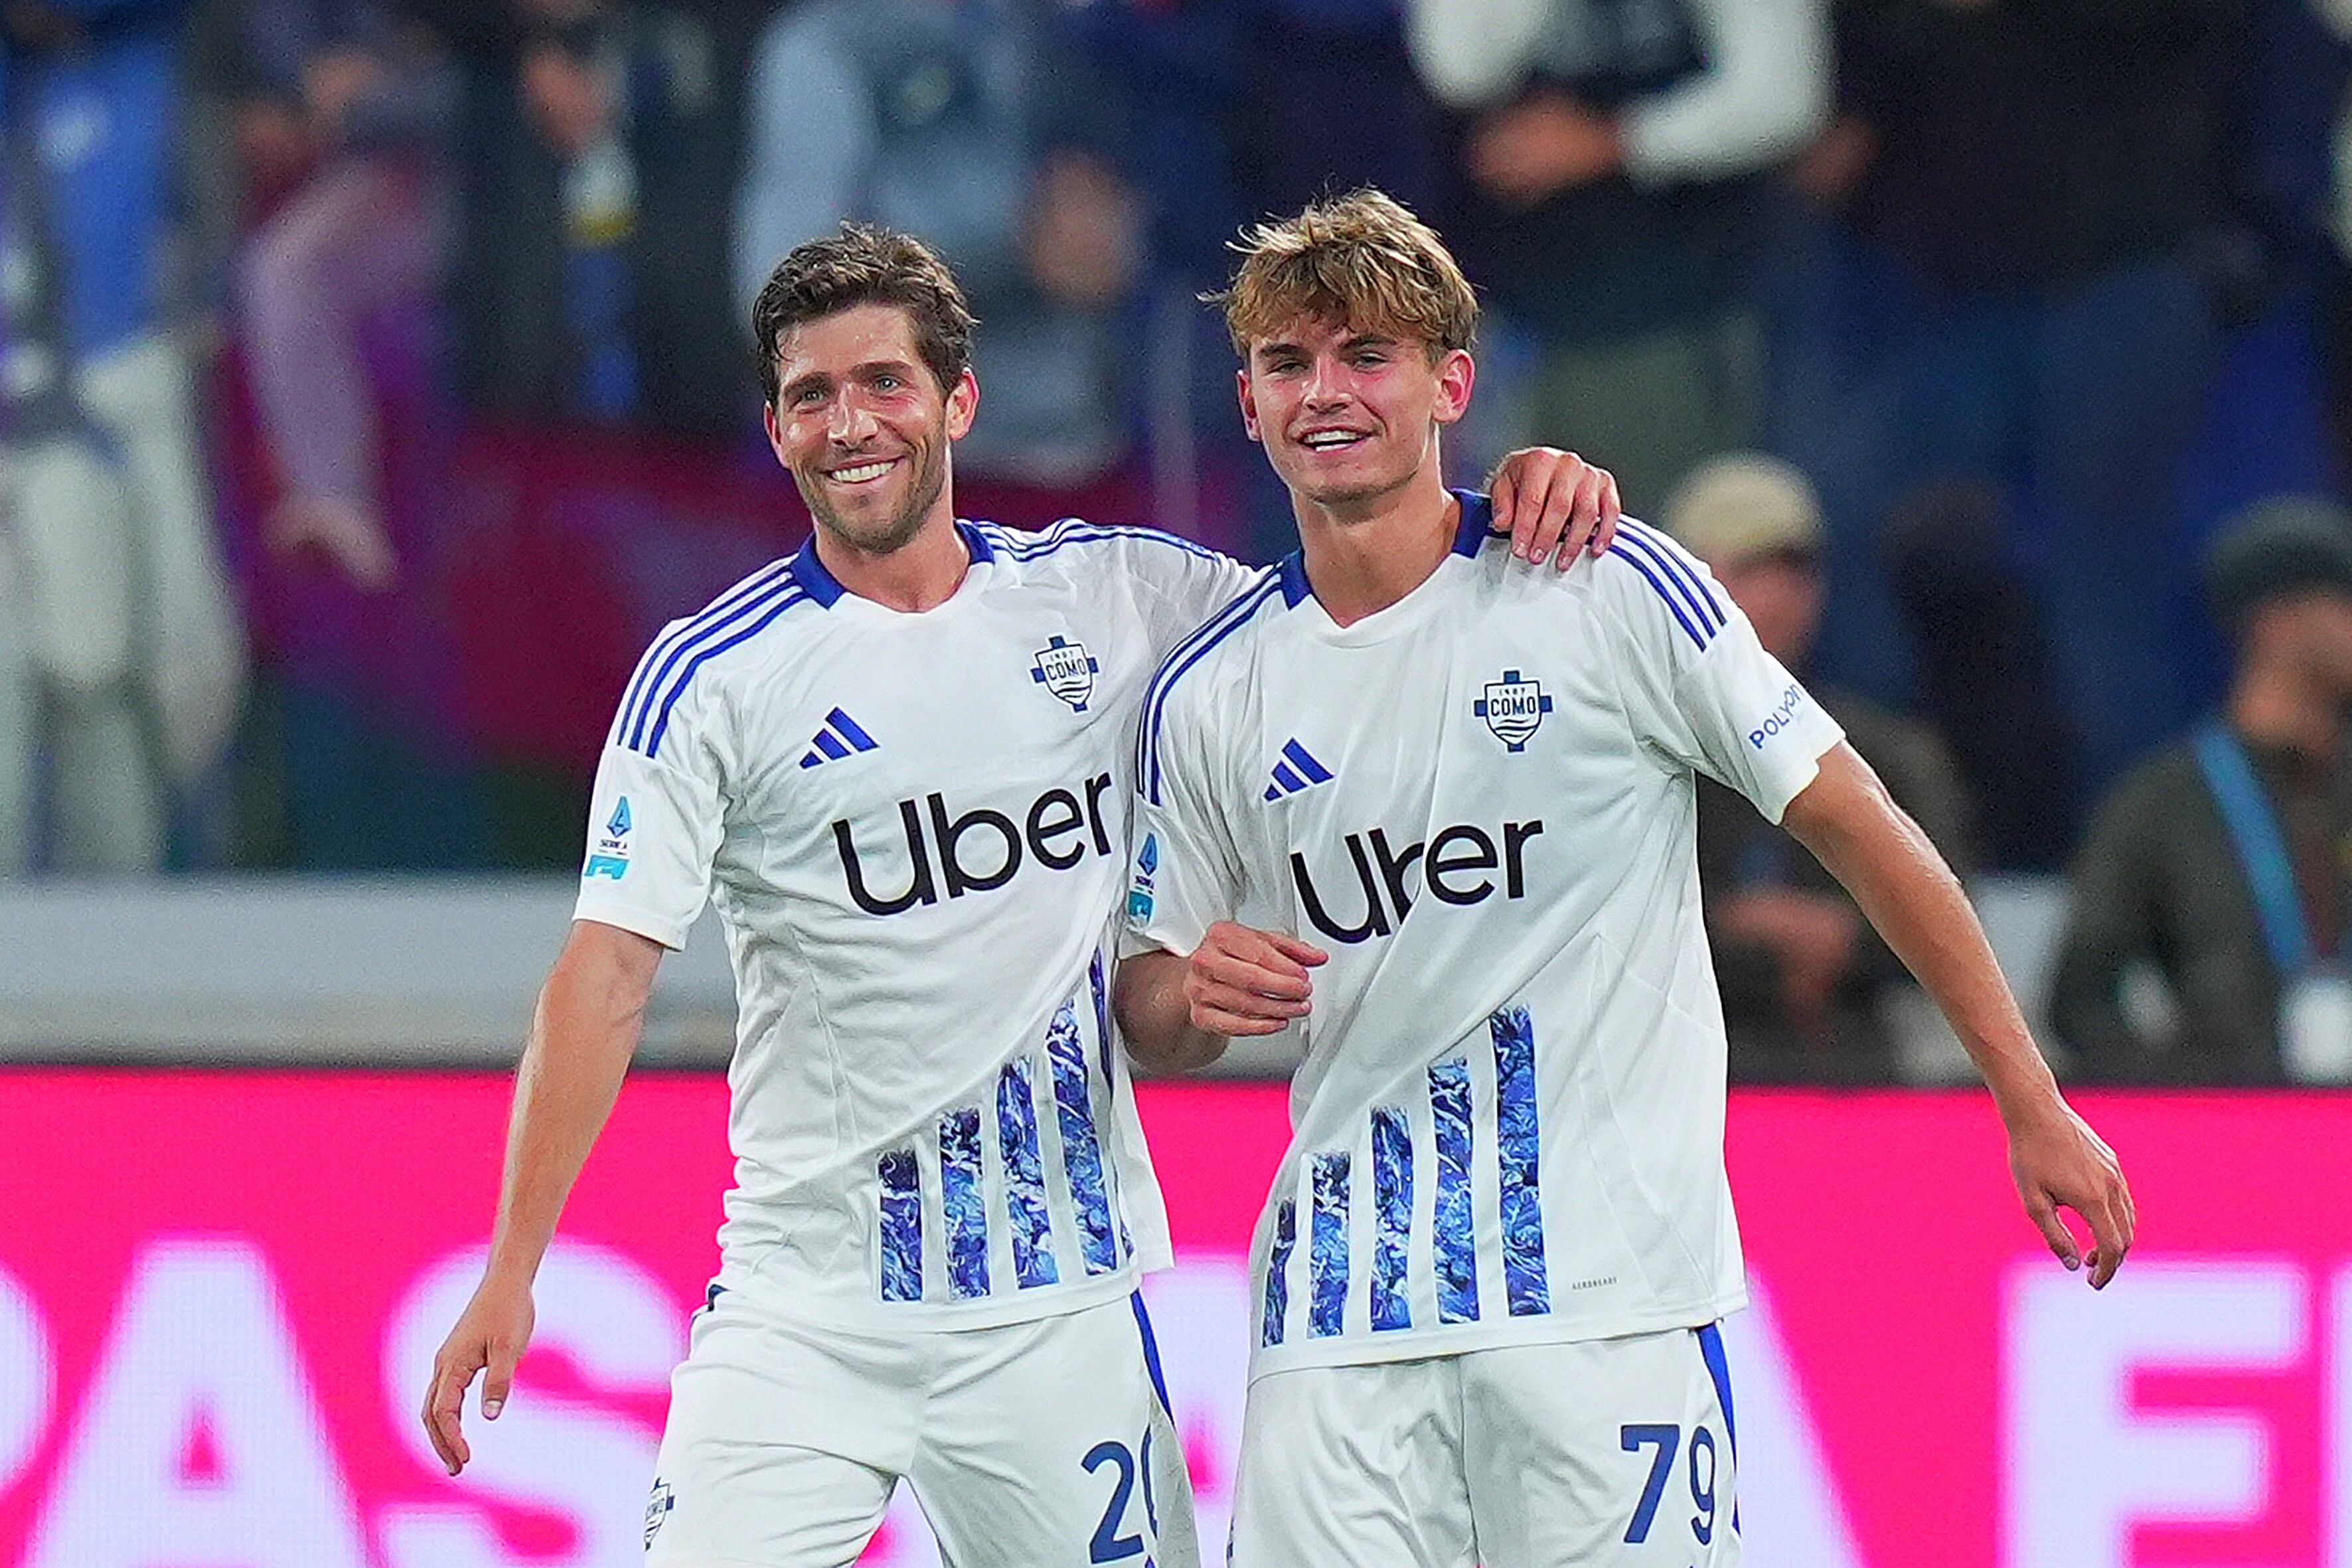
2059,1163
1554,504
1241,981
490,1339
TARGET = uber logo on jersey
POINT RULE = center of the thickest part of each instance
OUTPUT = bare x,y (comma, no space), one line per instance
1455,864
980,850
1512,709
611,856
1067,670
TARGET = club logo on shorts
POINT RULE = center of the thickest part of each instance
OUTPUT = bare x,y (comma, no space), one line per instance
657,1508
1512,709
1067,670
611,856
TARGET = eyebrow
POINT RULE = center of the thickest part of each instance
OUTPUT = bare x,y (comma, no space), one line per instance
872,367
1353,341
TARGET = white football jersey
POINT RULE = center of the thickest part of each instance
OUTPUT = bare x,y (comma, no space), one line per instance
1508,1124
914,830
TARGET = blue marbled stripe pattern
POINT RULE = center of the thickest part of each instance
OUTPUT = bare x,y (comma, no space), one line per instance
1326,1261
1277,1271
1456,1226
1065,1054
1520,1146
1391,1215
962,1204
1024,1177
1096,982
902,1227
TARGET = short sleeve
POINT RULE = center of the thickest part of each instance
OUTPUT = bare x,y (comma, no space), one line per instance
1698,686
654,827
1183,873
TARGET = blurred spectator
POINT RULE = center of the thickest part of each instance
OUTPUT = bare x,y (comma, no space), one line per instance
2018,286
1804,977
359,91
130,658
975,124
599,147
2219,867
1613,168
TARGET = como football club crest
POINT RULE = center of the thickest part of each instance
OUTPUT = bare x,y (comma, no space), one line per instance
1512,707
1066,670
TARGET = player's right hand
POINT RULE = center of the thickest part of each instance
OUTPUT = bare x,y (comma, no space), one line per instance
489,1338
1242,981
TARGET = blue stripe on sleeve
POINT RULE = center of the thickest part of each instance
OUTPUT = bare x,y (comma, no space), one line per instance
1185,655
677,690
1673,602
656,656
1679,558
1700,606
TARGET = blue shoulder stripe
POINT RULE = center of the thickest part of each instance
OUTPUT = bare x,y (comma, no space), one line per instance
700,635
636,697
1024,546
1674,601
748,621
1183,656
1672,581
1678,561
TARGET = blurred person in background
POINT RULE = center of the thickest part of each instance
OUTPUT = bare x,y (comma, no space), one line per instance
2221,865
598,148
977,125
1804,977
1613,159
2009,277
359,92
128,660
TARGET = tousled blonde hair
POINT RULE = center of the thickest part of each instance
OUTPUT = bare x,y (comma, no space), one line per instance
1363,260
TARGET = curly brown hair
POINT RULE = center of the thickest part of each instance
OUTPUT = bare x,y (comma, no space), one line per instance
1362,259
863,264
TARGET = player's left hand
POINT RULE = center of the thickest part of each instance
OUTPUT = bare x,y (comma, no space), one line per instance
2059,1163
1554,503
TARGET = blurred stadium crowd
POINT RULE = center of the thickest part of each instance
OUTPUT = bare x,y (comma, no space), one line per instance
377,385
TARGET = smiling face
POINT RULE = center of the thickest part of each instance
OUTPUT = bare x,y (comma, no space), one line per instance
864,427
1350,417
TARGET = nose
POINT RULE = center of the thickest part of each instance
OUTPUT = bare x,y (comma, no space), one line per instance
851,421
1324,385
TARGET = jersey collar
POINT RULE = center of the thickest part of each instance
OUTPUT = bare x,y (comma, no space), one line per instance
821,585
1477,517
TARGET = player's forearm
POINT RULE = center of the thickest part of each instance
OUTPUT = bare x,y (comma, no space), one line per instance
585,1031
1157,1018
1913,899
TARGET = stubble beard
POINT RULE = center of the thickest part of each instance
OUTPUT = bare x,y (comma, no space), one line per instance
897,530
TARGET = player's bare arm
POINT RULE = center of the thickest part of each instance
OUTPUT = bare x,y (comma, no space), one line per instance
1180,1013
589,1017
1851,824
1554,505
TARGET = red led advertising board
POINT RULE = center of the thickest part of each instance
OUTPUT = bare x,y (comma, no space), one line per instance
219,1293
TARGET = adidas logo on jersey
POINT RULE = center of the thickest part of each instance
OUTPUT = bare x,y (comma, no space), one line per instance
839,738
1297,771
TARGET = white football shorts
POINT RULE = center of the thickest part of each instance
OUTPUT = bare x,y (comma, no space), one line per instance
1594,1454
1033,1444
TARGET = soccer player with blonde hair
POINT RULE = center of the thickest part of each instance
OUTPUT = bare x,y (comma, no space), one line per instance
1493,1261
